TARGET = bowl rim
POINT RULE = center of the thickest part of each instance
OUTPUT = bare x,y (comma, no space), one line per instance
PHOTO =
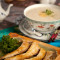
55,21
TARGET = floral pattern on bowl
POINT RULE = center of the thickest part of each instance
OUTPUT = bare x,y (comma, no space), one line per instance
43,28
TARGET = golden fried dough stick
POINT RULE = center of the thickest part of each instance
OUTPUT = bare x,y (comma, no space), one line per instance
33,50
40,55
21,49
32,40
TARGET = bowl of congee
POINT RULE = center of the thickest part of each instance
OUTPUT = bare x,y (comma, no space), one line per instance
44,18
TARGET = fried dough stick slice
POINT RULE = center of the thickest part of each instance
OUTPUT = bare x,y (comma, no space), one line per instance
40,56
20,50
33,50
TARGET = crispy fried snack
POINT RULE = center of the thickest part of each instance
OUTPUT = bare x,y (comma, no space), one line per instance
20,50
40,55
33,50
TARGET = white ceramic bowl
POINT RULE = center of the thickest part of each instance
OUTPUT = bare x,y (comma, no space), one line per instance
44,27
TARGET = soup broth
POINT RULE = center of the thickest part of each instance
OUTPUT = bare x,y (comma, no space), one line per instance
39,14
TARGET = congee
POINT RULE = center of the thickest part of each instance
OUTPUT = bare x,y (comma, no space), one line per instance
45,14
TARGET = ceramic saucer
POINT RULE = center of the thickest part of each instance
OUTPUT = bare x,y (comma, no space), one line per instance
40,36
